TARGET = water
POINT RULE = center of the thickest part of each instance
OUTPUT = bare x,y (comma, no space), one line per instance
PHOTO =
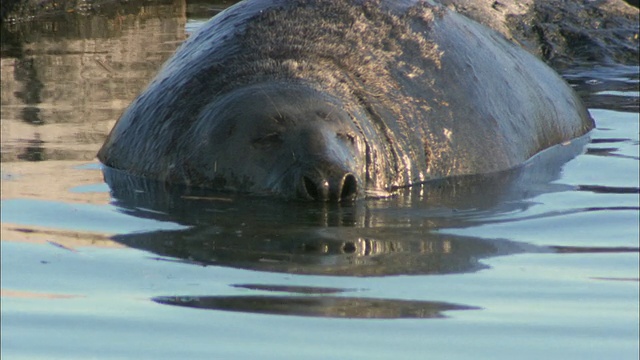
537,262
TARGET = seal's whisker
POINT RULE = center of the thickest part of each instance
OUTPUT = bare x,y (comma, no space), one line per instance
272,103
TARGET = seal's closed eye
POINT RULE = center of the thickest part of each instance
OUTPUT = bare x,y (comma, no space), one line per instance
268,140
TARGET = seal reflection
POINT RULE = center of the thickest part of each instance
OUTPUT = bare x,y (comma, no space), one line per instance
402,235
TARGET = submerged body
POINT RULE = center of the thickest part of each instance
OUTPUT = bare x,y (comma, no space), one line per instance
333,100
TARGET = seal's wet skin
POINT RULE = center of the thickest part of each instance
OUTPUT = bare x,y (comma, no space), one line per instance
333,100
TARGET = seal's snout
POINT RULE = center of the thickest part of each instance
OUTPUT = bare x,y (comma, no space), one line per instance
329,188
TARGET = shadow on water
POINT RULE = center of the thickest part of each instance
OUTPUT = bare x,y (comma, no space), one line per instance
325,306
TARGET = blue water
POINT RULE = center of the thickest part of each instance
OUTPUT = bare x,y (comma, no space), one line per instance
539,262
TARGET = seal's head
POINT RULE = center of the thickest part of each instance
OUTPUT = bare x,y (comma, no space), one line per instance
282,138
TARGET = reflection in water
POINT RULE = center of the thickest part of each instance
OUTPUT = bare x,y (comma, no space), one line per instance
613,88
309,251
318,306
66,76
399,235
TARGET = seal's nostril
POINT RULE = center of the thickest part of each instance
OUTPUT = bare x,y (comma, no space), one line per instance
319,188
310,187
349,188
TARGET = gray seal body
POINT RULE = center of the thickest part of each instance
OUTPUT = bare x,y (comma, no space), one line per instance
337,100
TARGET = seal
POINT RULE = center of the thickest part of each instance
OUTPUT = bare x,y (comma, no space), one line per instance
337,100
